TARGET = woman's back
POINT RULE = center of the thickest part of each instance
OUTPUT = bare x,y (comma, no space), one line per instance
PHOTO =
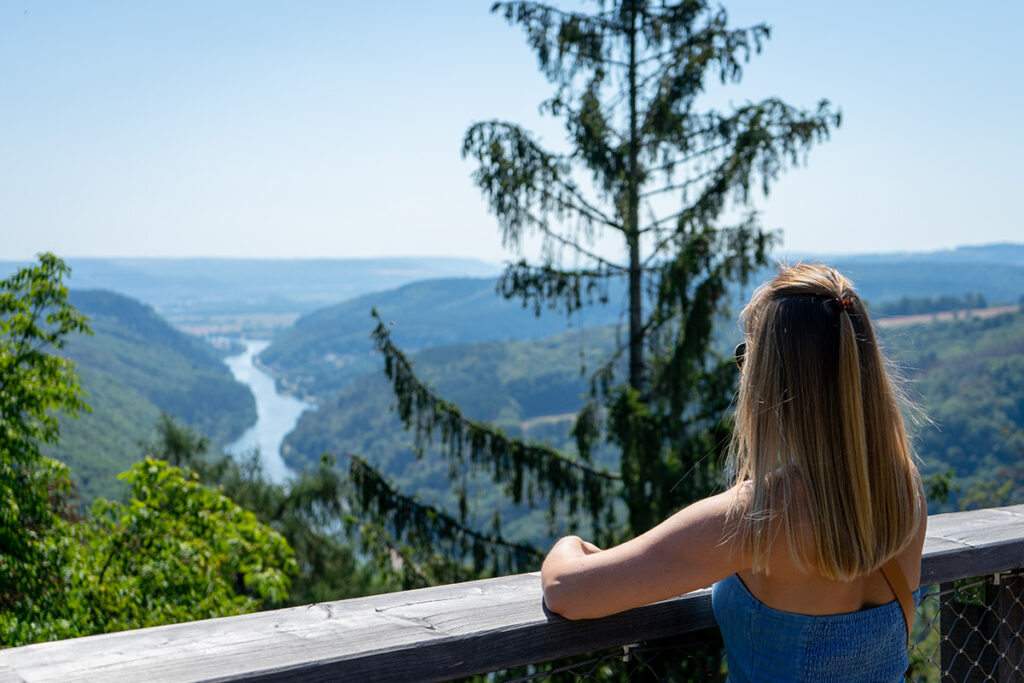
789,587
793,624
766,644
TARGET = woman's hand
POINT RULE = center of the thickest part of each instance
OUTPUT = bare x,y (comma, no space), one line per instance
561,560
570,546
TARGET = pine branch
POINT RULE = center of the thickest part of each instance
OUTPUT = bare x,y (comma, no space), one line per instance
542,227
564,42
670,165
518,177
519,8
692,180
551,287
436,546
527,471
762,136
596,214
656,224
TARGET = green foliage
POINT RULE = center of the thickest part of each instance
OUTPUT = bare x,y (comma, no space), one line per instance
36,317
181,551
938,487
176,551
35,320
526,470
309,512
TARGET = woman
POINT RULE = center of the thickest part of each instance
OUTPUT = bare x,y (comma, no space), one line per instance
815,547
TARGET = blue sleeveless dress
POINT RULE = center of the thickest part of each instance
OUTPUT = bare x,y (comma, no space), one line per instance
766,644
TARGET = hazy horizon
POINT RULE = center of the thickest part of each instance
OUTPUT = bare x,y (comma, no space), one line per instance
779,253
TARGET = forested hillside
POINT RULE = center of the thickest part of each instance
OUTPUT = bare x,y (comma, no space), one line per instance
134,367
968,376
331,346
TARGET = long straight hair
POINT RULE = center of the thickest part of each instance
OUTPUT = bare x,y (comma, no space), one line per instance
816,409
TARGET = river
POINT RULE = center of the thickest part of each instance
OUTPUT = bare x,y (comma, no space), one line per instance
276,414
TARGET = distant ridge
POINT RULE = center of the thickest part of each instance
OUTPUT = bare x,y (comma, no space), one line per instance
994,270
328,347
1000,252
261,298
174,286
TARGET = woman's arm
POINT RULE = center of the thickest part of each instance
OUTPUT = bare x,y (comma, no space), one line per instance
690,550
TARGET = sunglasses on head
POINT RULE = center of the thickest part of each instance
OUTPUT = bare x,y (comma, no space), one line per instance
739,353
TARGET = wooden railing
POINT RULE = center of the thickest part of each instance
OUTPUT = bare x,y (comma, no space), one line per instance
461,629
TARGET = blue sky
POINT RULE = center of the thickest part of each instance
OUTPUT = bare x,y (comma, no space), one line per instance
333,129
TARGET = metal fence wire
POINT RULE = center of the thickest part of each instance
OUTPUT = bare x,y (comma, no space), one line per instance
970,630
966,631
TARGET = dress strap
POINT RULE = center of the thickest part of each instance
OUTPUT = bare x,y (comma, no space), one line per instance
898,583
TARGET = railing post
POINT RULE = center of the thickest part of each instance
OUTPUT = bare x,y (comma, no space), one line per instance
1009,607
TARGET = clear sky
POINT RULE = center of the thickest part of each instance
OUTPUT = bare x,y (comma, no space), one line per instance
332,129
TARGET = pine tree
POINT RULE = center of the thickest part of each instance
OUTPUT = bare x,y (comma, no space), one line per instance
674,181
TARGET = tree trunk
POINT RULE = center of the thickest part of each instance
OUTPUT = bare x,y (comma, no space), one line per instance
636,341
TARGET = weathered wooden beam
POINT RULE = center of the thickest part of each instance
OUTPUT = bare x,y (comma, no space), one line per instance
438,633
974,543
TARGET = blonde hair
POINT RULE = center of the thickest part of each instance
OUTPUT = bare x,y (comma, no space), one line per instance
816,407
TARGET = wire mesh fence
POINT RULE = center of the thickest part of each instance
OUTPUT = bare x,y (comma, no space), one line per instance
970,630
966,631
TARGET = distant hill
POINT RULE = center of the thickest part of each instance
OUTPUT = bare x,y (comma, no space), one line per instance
331,346
994,271
1006,253
135,367
260,297
880,282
